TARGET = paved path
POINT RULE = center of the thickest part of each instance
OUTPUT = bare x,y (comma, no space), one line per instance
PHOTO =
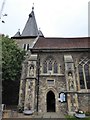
53,115
9,114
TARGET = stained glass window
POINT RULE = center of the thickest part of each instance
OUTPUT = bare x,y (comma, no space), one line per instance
84,73
81,77
45,67
87,75
50,65
55,67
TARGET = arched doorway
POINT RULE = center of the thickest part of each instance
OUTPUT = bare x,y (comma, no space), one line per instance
50,102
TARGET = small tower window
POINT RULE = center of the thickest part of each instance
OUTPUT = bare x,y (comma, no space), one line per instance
27,46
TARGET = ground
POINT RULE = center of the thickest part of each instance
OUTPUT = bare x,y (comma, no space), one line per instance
14,114
11,112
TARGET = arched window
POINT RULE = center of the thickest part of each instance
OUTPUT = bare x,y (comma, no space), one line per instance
45,67
81,77
84,73
50,65
87,75
55,67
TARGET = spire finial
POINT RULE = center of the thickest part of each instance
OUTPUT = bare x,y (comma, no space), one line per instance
18,30
33,7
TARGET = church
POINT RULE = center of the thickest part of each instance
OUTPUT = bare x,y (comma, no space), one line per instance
55,74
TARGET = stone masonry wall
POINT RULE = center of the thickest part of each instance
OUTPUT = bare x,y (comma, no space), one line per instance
84,101
44,88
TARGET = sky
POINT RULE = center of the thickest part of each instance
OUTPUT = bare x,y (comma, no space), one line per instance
55,18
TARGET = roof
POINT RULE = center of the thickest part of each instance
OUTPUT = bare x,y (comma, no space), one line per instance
17,34
62,43
30,29
40,33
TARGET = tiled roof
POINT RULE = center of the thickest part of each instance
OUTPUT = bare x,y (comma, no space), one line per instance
40,33
30,29
62,43
31,26
17,34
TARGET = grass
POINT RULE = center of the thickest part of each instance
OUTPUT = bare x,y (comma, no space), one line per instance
68,117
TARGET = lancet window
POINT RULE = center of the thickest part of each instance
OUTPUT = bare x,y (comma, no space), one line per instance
84,73
50,66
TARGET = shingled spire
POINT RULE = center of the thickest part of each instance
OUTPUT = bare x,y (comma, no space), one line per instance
30,29
17,34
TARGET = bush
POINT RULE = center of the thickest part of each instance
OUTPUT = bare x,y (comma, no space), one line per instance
87,113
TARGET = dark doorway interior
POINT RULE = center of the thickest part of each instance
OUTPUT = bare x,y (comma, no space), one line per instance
50,102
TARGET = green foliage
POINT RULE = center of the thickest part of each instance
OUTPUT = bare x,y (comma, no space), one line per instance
12,57
68,117
87,113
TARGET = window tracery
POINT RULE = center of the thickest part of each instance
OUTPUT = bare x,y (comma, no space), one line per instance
55,67
45,67
81,77
84,73
87,75
50,65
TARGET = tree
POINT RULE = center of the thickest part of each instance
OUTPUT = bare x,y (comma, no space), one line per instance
12,57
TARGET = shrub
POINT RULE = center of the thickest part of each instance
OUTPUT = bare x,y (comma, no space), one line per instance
87,113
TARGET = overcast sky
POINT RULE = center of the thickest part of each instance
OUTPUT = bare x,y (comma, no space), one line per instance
55,18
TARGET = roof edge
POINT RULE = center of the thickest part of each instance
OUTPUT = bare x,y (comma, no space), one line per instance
67,37
23,37
60,50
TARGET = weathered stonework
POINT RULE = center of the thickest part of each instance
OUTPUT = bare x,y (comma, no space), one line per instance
56,72
84,101
60,82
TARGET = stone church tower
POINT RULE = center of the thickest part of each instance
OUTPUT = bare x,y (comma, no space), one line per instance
56,72
26,41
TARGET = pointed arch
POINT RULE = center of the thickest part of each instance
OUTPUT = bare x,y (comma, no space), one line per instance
87,75
50,65
81,77
84,73
51,101
45,67
55,67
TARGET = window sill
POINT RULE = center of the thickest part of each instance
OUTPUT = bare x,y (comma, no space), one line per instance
84,91
46,74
